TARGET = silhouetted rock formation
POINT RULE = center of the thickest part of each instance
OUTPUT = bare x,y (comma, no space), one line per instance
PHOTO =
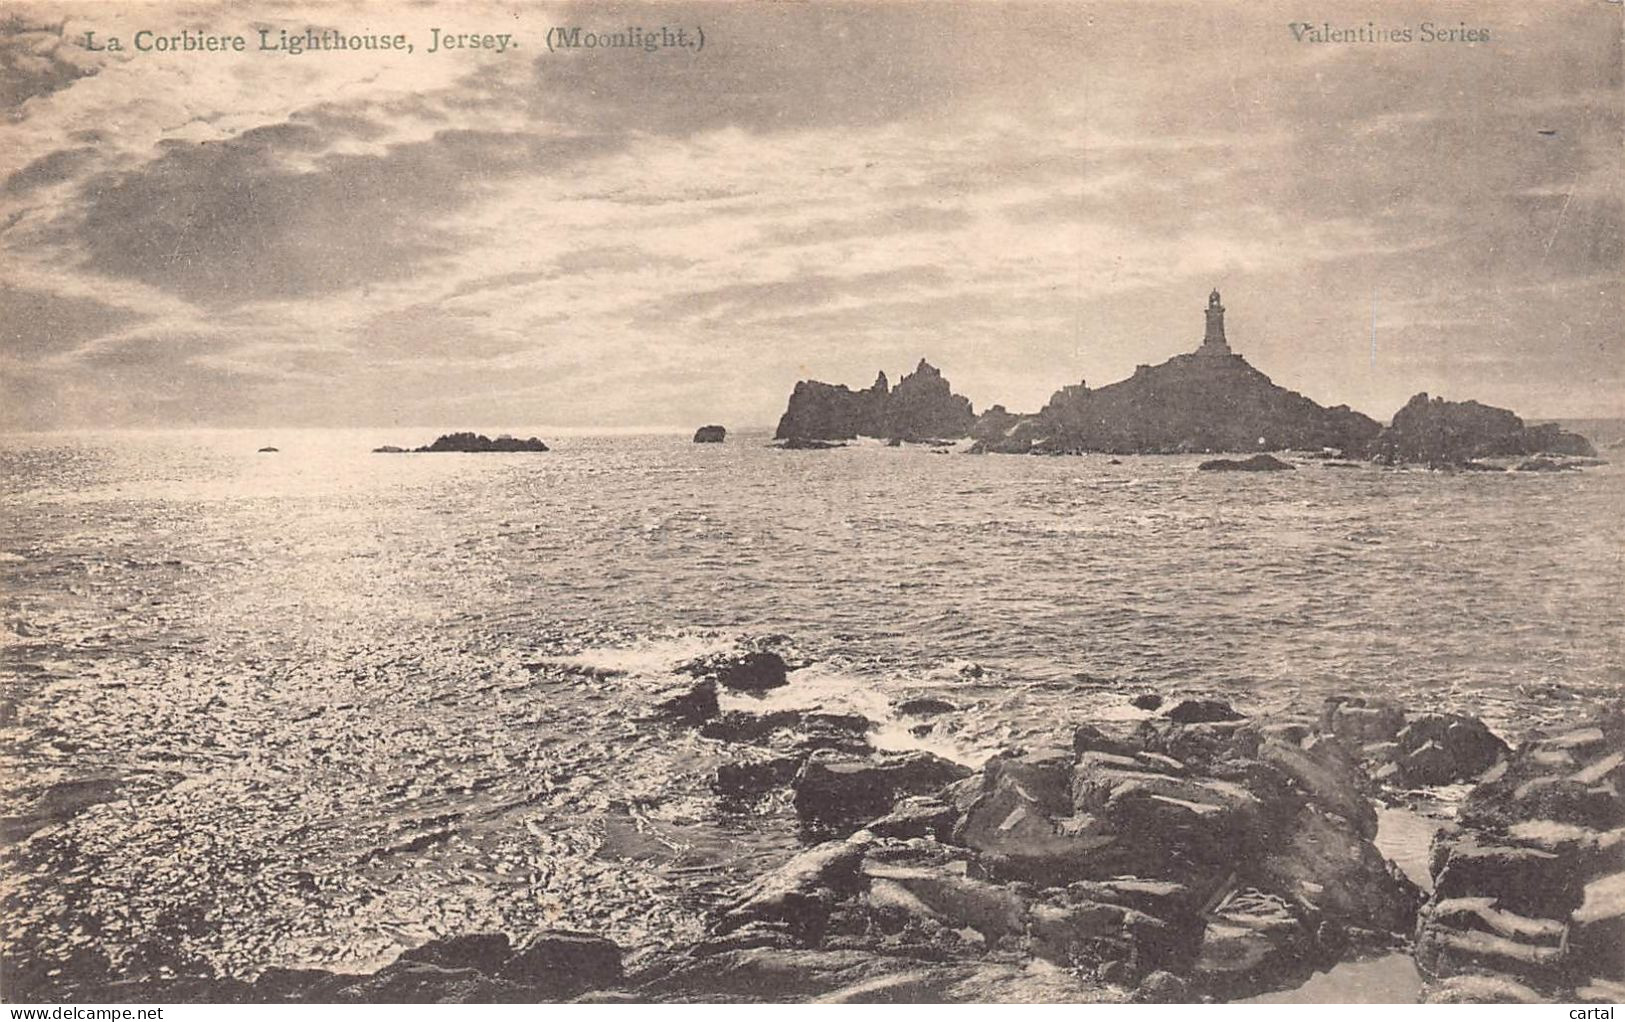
1257,463
267,450
923,406
1440,432
475,443
710,435
1211,400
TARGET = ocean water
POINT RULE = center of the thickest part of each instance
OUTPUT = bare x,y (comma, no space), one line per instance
307,708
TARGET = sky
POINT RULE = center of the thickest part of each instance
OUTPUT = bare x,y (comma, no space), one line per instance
1027,195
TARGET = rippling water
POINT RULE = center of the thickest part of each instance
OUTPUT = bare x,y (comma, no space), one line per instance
311,706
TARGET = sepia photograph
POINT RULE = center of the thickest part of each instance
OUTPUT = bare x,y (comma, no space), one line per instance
812,501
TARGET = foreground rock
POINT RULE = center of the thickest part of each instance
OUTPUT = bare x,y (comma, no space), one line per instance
922,407
1440,433
470,443
1412,749
1199,853
1529,891
710,435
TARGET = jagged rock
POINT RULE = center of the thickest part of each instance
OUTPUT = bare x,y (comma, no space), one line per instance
1201,711
1441,748
1257,463
1528,881
834,791
744,726
1440,432
1325,865
918,816
922,407
1089,738
563,963
756,671
710,435
475,443
1022,820
945,892
1330,778
485,952
692,703
1163,987
800,894
1252,942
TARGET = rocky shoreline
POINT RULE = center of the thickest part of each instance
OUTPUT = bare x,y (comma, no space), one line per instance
1192,853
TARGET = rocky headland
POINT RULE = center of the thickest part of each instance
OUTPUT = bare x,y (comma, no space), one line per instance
1189,853
1209,400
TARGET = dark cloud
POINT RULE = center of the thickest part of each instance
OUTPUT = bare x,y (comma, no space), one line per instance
36,324
52,168
34,61
235,221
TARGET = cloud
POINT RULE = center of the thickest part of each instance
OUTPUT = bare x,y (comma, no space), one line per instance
1023,194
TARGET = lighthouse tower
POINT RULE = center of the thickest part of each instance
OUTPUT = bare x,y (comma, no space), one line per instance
1213,342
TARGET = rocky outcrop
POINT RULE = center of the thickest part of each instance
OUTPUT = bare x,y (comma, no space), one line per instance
1529,889
1408,750
923,406
710,435
1439,432
1203,401
1257,463
469,443
754,671
1199,853
267,450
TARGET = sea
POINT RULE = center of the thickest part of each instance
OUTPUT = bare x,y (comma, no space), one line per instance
312,706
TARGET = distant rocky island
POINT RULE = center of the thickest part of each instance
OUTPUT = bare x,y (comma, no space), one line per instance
469,443
922,406
710,435
1206,401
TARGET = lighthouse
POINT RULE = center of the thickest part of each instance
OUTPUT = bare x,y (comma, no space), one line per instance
1213,342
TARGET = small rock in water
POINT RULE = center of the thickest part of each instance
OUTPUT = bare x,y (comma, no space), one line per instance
690,703
1146,701
1257,463
925,707
747,672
